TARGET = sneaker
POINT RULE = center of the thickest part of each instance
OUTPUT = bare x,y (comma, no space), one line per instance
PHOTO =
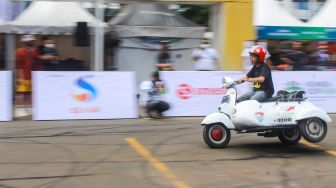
20,112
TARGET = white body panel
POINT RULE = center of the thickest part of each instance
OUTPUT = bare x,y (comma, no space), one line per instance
218,117
251,113
227,108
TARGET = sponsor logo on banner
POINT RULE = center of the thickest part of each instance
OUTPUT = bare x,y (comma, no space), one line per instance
312,87
259,116
85,91
185,91
321,88
293,86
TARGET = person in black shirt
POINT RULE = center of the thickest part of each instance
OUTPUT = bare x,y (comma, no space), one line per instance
47,54
164,58
295,56
260,75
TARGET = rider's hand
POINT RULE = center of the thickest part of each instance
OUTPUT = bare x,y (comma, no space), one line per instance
240,81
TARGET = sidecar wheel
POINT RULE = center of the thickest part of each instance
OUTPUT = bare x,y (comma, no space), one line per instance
216,136
313,129
290,136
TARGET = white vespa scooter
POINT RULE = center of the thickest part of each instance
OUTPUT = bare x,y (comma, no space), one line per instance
288,117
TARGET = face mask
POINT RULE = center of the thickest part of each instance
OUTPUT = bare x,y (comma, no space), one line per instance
205,45
49,45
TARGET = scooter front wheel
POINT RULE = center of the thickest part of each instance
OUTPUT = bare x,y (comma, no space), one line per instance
216,135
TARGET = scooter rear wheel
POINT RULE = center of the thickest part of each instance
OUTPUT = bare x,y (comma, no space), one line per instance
216,136
313,129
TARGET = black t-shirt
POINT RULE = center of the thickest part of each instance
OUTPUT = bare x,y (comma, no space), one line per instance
164,57
265,71
47,51
48,64
296,56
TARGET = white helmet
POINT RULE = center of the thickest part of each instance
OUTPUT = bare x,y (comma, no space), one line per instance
28,38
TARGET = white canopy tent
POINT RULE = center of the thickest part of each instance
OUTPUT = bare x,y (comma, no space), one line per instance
154,20
2,22
56,18
59,18
275,21
326,16
271,13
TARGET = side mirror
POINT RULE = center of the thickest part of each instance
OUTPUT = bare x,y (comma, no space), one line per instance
224,81
227,80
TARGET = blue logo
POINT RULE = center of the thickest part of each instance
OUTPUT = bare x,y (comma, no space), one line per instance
90,92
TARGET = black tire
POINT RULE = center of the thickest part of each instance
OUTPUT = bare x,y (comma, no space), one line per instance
313,129
290,136
216,136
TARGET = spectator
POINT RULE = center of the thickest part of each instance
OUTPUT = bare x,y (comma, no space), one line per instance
313,57
26,58
47,54
164,58
332,50
205,57
294,56
150,96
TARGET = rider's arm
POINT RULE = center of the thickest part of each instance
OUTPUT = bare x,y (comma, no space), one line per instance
242,80
249,74
259,79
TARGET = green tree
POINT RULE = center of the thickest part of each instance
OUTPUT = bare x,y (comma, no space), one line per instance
196,13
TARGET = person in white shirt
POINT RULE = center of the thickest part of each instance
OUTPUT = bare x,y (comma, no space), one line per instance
205,57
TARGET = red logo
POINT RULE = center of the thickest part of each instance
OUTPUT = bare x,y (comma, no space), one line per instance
185,91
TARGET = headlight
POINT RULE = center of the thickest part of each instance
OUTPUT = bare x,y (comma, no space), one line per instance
226,99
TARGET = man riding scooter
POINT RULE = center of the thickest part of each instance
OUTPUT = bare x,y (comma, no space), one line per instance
260,75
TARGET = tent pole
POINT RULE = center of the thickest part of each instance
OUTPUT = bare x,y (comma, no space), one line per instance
10,51
99,38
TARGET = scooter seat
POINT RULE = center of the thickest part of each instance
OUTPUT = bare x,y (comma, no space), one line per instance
287,96
272,99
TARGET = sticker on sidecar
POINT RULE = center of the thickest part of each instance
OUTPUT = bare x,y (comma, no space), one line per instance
283,120
259,116
286,108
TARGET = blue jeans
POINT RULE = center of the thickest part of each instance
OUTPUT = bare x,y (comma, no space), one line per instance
253,95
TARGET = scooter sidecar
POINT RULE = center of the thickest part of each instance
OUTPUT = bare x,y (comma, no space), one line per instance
282,113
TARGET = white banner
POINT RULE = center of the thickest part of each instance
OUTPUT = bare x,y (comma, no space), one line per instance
84,95
195,93
320,86
198,93
6,106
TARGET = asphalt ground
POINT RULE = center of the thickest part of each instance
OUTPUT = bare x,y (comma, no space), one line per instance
146,153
